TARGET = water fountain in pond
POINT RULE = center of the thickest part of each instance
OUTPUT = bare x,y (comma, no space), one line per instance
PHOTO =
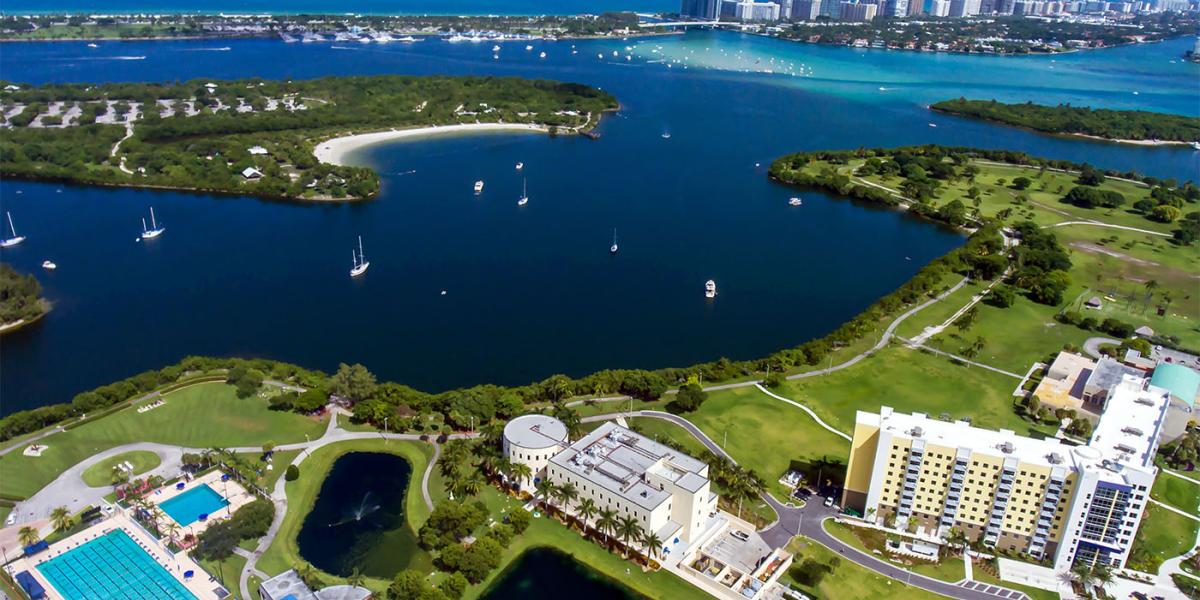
356,515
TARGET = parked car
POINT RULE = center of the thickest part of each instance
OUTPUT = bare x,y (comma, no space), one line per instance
828,501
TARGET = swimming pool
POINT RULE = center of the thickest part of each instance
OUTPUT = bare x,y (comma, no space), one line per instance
187,507
112,567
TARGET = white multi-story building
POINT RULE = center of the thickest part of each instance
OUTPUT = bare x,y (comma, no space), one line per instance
1037,496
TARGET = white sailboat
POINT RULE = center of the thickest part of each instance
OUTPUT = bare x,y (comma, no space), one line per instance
710,289
360,262
15,239
479,186
613,249
154,230
524,199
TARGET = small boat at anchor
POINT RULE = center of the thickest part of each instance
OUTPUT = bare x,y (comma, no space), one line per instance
710,289
9,242
795,201
49,265
360,263
479,186
155,230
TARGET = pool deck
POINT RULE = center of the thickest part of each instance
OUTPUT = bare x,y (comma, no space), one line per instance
176,564
234,493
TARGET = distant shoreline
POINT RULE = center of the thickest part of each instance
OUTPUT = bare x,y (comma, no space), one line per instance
334,150
1068,134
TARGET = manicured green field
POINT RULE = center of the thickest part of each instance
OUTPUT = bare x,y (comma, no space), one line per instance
910,381
228,571
848,580
1176,492
284,553
201,416
939,312
1164,534
764,434
100,474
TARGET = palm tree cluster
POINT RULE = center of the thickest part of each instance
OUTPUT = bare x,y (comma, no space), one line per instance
735,481
563,500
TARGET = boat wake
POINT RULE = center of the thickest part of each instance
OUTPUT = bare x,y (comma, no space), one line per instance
342,48
221,49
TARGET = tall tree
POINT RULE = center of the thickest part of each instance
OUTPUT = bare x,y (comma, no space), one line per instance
353,382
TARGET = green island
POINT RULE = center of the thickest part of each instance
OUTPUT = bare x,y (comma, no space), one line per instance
20,299
963,339
222,26
1114,125
256,137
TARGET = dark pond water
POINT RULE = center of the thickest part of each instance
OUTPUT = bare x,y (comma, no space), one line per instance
359,520
548,574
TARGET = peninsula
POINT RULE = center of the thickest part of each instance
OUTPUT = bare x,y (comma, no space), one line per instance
1129,126
256,137
20,299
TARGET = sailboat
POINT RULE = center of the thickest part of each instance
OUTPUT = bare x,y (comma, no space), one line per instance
155,230
479,186
710,289
524,194
360,261
613,249
15,239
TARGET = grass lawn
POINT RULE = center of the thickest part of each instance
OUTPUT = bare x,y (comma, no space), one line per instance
100,474
284,554
1164,534
938,312
849,581
1176,492
1034,593
908,381
200,416
949,569
762,433
279,462
229,571
1016,337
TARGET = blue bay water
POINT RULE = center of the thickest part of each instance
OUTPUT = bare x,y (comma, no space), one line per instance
532,291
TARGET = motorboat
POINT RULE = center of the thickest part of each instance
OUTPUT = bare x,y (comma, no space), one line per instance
541,55
710,289
795,201
520,166
524,199
613,249
479,186
49,265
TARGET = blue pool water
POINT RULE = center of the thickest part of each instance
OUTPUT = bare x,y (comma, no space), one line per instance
187,507
112,567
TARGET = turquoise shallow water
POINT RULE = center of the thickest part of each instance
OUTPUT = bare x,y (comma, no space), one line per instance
186,508
532,291
112,567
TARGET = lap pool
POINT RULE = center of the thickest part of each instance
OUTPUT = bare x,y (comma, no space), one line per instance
112,567
187,507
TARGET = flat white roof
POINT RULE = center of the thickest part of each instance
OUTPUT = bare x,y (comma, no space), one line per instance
1133,418
960,434
536,432
618,459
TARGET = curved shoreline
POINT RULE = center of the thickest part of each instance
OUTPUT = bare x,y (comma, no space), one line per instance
335,150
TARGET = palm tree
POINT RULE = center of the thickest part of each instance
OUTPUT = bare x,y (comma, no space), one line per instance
356,579
520,472
630,531
1102,575
545,489
118,475
172,529
61,517
468,484
607,522
28,536
570,418
568,494
653,545
1082,574
306,572
501,467
586,510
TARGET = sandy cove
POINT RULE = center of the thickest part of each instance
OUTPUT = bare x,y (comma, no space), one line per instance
335,150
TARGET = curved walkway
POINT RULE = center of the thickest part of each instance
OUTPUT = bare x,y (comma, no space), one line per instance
1091,346
812,414
1111,226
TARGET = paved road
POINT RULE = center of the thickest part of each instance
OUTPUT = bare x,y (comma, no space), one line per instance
1092,345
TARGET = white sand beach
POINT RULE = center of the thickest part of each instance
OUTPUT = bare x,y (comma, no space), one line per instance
334,151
